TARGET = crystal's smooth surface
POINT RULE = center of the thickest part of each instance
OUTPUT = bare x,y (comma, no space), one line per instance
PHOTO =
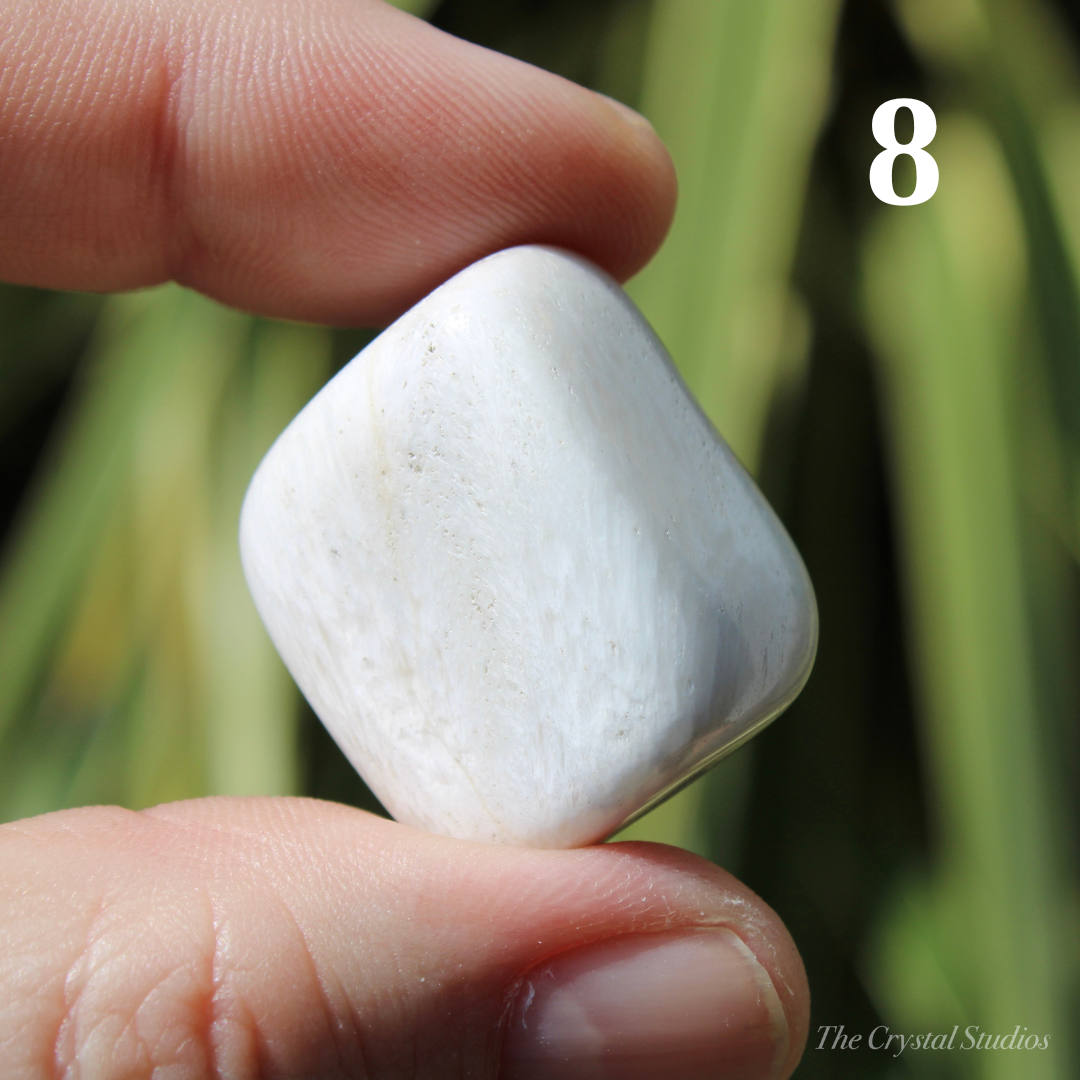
514,569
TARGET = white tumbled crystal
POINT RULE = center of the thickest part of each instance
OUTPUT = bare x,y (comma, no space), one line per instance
514,569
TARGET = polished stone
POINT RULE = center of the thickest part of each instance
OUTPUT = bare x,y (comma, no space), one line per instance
514,569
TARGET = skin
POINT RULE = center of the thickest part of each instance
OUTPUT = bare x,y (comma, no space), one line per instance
328,160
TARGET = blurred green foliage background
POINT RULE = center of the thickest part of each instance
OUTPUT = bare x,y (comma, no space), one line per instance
905,383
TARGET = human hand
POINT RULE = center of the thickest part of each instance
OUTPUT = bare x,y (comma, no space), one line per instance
334,161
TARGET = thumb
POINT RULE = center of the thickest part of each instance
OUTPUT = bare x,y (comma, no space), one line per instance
286,938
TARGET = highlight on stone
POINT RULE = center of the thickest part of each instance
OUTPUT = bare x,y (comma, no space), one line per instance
514,569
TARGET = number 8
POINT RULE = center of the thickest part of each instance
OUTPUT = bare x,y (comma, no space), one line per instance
926,169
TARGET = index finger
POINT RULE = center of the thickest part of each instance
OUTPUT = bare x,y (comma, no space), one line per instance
328,160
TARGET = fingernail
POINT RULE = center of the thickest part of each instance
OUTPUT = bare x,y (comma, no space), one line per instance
629,115
681,1005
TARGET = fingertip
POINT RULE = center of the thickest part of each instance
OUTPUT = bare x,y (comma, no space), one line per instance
727,901
331,161
653,170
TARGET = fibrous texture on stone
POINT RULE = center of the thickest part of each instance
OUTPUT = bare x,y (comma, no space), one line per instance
514,569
